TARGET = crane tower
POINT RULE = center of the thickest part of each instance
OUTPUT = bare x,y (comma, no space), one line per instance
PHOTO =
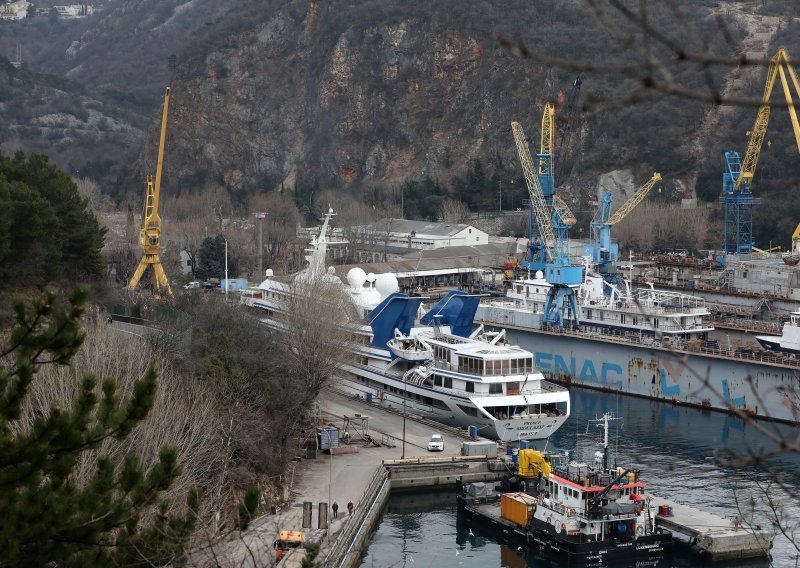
150,233
739,172
558,271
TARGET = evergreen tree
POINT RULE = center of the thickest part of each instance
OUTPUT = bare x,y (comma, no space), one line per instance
212,259
51,234
47,517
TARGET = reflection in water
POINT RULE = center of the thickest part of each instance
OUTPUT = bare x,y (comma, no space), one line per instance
678,450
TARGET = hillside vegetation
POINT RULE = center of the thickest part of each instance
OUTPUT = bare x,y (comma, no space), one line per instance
361,97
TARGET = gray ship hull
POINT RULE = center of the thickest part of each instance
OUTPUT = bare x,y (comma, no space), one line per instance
762,385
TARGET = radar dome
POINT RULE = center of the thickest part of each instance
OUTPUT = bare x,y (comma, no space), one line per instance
356,277
386,284
371,277
270,273
331,270
539,274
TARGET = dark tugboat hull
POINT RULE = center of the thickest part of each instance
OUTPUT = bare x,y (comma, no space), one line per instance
569,550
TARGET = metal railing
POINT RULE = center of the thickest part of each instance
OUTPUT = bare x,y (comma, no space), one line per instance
345,539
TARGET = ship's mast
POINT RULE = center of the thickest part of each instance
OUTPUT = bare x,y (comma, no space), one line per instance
606,418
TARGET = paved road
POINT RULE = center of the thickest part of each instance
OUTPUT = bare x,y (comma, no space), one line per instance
339,478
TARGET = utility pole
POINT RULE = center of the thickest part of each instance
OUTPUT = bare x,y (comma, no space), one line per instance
405,395
501,196
260,217
226,269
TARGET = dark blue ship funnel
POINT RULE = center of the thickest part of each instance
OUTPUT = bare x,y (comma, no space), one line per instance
457,309
396,311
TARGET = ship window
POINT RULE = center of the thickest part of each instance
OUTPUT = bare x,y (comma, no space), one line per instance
622,318
470,386
588,314
495,388
635,321
655,323
437,380
468,410
448,383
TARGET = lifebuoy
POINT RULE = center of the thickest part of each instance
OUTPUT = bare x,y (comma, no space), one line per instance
563,527
550,520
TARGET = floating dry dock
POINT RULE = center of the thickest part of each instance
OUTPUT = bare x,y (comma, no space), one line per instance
713,537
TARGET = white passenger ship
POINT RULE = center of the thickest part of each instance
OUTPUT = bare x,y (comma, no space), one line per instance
605,307
430,362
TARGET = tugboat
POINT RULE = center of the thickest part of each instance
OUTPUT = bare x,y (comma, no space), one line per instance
575,513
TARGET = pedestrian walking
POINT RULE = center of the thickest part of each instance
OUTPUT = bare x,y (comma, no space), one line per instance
335,508
349,507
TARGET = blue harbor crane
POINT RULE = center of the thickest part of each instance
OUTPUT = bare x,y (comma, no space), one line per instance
602,252
739,172
562,218
552,250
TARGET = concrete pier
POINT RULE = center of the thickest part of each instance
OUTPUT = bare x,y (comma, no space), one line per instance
714,538
367,477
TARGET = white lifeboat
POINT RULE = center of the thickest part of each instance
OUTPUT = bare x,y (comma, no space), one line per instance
409,348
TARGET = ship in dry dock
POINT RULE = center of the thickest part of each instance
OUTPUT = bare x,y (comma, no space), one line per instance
647,343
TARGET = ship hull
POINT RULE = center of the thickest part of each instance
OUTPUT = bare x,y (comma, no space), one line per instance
546,541
765,387
774,344
386,390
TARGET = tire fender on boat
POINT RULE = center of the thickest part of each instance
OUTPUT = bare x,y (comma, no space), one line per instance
640,530
562,528
550,520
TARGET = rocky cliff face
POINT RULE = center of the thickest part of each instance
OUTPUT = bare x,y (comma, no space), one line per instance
349,102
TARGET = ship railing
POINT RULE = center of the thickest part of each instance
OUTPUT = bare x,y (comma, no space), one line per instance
534,387
690,346
767,327
487,371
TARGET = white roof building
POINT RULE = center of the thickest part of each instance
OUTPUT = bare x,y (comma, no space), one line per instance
14,10
426,234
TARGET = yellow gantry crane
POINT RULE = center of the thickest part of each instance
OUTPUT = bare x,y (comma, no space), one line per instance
150,233
739,174
779,65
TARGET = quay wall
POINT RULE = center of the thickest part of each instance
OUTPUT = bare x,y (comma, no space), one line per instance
397,475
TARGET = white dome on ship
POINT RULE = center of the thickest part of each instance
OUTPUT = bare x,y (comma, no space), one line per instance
371,277
539,274
270,273
356,277
386,284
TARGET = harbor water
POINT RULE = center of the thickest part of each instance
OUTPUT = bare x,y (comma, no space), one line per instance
695,457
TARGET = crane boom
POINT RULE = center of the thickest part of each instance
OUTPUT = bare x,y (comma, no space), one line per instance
534,190
635,199
546,145
565,214
778,67
150,233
